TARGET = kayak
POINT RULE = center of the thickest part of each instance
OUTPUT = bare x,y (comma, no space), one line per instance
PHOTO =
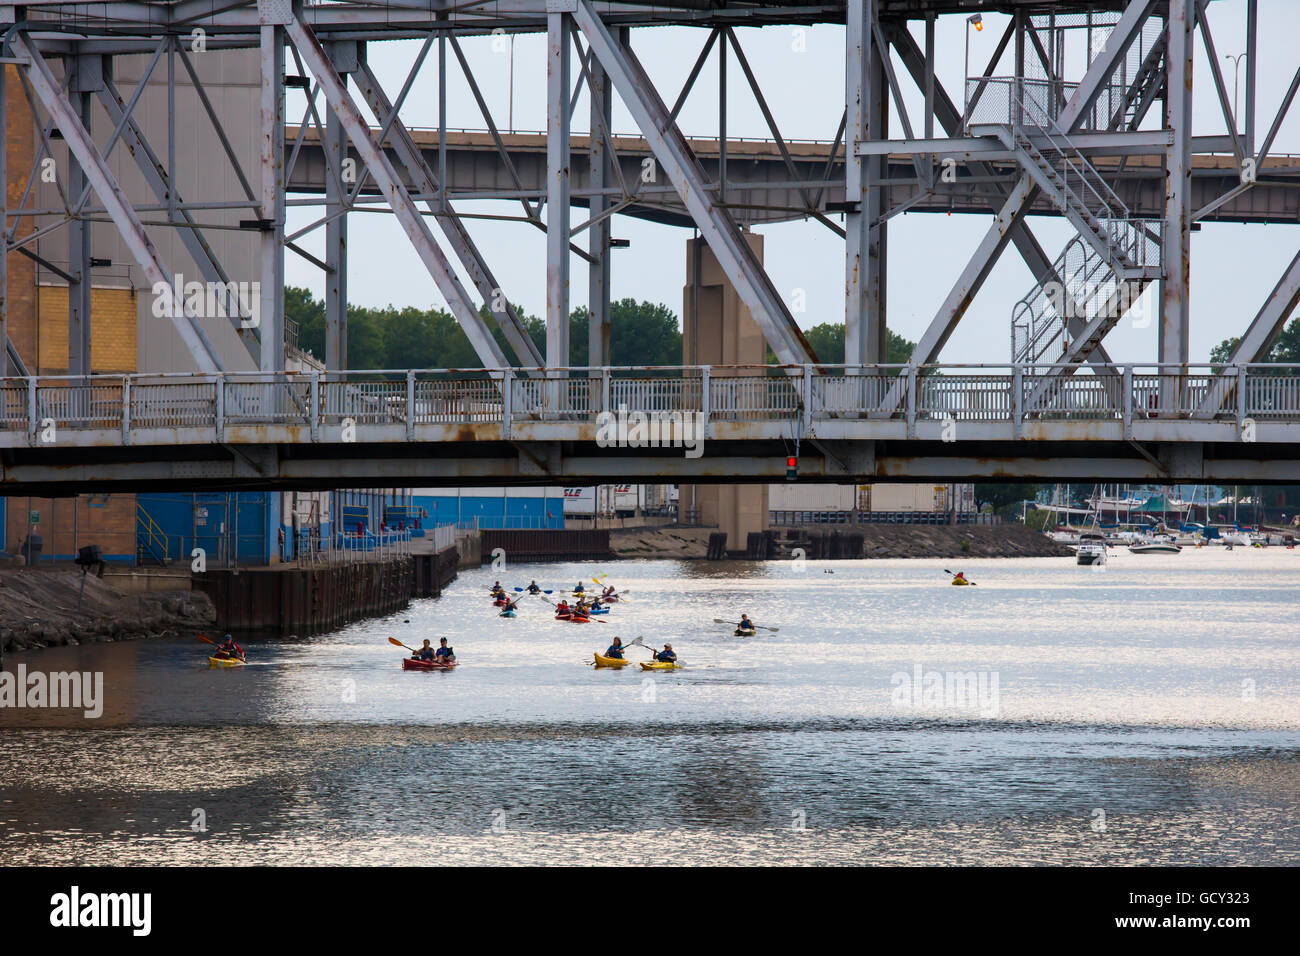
572,619
744,632
603,661
960,582
603,610
508,612
660,666
225,662
409,664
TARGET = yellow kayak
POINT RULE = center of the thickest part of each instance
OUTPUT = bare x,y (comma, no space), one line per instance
603,661
225,662
660,666
960,582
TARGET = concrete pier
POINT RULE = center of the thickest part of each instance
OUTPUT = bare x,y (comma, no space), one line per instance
717,329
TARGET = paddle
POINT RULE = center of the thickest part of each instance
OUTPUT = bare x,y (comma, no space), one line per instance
541,591
614,594
954,574
393,640
761,627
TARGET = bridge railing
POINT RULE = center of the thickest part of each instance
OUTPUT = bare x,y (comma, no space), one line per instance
321,402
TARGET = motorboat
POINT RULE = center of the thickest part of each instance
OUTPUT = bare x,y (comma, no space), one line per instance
1091,550
1157,544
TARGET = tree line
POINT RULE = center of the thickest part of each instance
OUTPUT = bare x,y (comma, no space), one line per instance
641,333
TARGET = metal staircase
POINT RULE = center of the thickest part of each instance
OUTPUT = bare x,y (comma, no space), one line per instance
1144,88
1100,274
1083,196
1080,287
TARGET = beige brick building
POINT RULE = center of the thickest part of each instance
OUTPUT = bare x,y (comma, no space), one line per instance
37,324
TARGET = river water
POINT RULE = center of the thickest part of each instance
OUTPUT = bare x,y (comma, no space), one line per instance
1144,713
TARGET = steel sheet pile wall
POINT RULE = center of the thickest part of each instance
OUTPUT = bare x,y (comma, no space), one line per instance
269,602
547,545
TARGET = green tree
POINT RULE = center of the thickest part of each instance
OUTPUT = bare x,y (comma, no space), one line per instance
827,341
640,333
309,314
1005,498
365,338
1285,350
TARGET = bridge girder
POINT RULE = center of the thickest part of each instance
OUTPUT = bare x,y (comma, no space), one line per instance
882,177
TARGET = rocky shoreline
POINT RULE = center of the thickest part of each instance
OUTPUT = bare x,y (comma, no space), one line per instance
878,541
39,608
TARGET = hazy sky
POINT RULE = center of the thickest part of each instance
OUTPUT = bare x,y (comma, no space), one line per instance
1234,266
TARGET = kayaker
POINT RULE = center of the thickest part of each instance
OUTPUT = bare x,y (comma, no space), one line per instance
563,607
959,576
595,605
533,588
425,653
577,588
444,653
229,649
615,650
745,623
667,655
609,594
580,607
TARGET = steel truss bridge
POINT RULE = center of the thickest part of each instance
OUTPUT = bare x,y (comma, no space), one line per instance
543,426
1109,148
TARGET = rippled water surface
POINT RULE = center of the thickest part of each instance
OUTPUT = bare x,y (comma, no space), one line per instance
1144,713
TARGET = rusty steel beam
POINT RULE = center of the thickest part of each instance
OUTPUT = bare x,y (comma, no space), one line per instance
116,204
715,223
453,227
381,169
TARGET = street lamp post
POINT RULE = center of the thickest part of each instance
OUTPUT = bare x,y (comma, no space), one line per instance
1236,82
975,20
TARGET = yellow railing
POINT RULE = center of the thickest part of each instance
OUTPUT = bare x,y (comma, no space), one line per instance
152,535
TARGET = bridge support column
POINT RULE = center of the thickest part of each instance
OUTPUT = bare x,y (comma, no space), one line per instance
717,329
85,71
598,331
271,198
1174,283
557,189
344,56
865,252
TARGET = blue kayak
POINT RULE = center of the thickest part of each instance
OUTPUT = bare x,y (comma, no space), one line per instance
508,612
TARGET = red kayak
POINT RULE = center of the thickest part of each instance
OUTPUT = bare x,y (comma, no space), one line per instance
572,619
410,664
